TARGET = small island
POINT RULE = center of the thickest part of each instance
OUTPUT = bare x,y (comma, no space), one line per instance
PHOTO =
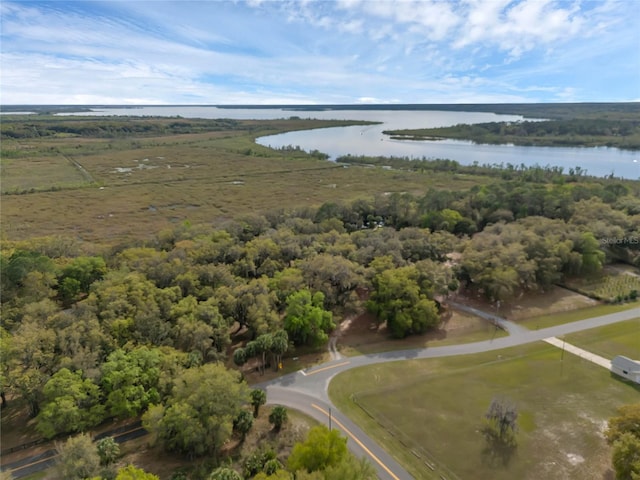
619,128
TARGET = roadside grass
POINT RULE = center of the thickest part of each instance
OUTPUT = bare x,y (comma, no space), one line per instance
362,336
432,410
621,338
143,185
37,476
576,315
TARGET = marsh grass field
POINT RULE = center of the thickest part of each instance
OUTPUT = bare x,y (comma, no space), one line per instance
432,410
110,189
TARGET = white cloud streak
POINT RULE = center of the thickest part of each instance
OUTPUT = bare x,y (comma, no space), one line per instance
314,52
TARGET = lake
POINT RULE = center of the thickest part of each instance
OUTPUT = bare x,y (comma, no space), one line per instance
369,140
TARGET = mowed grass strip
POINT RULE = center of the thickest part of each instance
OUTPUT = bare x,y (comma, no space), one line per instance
545,321
621,338
433,410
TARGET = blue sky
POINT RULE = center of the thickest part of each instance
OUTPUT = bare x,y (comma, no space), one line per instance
341,51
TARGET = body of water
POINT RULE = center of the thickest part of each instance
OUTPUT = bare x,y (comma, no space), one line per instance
369,140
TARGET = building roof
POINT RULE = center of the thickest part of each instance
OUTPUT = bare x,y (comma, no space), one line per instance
626,364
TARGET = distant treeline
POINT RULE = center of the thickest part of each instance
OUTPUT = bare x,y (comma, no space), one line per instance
121,127
509,171
577,132
627,110
622,110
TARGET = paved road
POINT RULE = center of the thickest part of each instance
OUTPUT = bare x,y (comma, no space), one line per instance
306,390
37,463
302,389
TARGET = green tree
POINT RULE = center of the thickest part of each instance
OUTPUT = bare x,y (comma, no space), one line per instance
333,275
71,404
132,473
26,277
77,458
627,421
243,423
592,256
224,473
240,356
80,344
31,359
499,429
131,307
624,436
278,417
77,276
277,475
258,398
279,346
130,380
198,417
626,457
108,450
400,300
321,449
351,468
306,321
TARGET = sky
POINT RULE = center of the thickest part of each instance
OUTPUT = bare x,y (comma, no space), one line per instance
121,52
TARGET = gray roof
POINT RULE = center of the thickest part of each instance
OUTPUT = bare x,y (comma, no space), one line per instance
626,364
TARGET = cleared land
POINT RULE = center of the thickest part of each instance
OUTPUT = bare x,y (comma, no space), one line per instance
362,335
433,410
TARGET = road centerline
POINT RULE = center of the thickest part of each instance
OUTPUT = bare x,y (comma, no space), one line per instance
313,372
355,439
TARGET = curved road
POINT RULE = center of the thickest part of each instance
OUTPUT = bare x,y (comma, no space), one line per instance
307,390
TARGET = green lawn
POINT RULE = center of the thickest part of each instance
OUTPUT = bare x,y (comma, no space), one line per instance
621,338
575,315
433,409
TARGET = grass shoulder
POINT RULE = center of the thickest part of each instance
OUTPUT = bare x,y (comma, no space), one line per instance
431,410
545,321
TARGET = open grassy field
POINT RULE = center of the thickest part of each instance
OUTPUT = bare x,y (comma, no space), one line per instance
111,189
618,339
432,411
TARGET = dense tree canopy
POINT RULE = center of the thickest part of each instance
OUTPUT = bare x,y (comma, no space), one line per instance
198,416
306,321
623,434
89,332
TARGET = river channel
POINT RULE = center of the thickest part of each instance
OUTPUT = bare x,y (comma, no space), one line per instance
369,140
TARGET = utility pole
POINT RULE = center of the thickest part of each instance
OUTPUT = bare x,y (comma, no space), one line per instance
329,418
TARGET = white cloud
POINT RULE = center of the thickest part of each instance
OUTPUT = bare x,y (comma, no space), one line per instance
332,52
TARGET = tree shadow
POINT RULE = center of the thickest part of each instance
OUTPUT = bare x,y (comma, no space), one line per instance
498,453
